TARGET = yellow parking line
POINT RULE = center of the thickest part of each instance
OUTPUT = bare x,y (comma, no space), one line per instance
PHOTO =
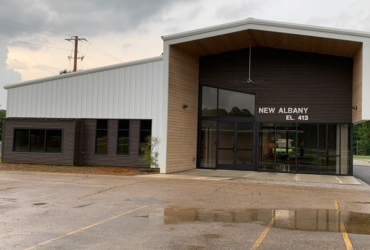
346,239
84,228
264,233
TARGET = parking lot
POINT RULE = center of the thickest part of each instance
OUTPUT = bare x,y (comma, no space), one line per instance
68,211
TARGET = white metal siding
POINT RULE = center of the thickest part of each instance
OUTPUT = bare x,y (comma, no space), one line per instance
127,92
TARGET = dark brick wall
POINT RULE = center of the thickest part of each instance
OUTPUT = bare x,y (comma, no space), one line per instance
63,158
88,156
286,79
78,145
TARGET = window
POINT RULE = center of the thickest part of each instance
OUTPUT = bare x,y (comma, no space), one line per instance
145,131
225,103
305,148
21,140
53,140
101,142
38,140
123,142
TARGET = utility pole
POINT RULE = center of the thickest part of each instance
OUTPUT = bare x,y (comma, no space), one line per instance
76,39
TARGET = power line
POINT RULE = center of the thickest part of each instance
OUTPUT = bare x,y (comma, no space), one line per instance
103,52
30,26
14,41
76,40
94,60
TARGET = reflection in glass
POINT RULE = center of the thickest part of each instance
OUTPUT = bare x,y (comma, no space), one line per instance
209,102
307,148
37,140
235,104
101,141
145,131
267,147
244,143
225,103
226,143
328,164
54,141
328,139
208,144
21,139
285,148
123,141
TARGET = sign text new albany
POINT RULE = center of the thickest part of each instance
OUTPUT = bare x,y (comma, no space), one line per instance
291,113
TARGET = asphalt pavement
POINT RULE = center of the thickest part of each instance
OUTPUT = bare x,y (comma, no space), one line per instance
70,211
361,170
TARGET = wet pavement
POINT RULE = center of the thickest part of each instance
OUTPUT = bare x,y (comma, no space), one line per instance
66,211
361,170
220,174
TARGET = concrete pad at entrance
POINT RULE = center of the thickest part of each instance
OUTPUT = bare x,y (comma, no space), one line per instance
207,174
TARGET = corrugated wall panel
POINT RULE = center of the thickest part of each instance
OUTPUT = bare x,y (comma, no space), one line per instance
131,91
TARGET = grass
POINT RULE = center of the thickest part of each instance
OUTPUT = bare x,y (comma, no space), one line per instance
361,157
102,170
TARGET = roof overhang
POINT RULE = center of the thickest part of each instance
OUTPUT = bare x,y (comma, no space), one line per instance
241,34
279,35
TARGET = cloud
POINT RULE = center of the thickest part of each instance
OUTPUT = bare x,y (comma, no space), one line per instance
126,45
240,9
79,17
6,75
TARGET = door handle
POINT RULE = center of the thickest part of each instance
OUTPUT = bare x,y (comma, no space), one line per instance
235,149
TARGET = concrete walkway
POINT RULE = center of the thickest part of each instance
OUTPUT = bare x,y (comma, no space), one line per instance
206,174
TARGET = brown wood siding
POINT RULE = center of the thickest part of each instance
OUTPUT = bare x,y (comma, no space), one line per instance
242,39
63,158
182,123
357,86
286,79
77,143
89,157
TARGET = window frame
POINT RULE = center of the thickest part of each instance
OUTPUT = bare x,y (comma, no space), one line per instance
96,136
45,140
141,130
129,137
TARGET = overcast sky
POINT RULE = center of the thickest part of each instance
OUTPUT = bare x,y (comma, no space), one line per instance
125,30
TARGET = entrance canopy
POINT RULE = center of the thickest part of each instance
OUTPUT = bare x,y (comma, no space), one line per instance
304,38
182,52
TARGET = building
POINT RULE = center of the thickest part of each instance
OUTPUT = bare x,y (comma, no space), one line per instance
248,95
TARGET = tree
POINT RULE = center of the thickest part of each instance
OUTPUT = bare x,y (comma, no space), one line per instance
2,116
149,156
361,138
64,71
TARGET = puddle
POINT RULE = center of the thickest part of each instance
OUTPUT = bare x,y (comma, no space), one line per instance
8,199
39,204
304,219
363,203
85,205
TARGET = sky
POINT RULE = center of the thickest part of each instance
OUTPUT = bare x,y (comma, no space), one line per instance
33,32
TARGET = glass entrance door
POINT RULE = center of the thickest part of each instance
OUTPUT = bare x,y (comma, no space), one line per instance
235,145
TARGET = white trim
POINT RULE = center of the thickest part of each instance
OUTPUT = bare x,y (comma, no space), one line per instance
164,115
78,73
251,23
366,81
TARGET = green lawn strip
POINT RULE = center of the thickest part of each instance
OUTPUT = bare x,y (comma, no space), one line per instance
361,157
102,170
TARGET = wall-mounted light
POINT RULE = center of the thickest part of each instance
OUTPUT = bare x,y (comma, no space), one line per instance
184,106
354,107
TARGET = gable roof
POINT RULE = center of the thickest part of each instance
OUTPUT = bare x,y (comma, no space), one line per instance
241,34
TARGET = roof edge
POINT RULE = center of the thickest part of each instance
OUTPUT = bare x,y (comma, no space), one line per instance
82,72
250,21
